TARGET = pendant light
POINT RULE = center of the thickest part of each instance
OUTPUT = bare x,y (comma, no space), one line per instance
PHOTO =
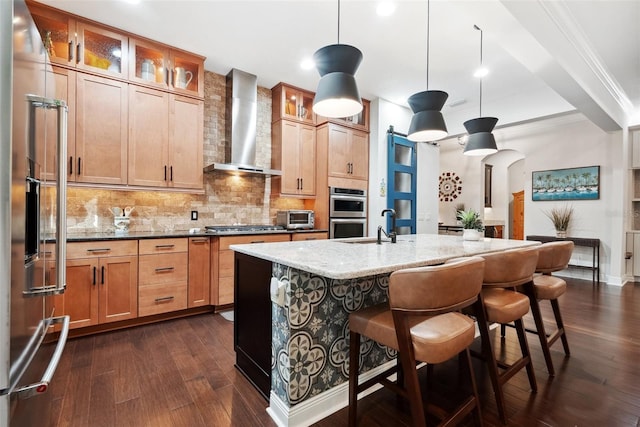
337,94
427,123
481,141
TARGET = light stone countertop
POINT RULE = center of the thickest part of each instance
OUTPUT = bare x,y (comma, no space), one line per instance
344,259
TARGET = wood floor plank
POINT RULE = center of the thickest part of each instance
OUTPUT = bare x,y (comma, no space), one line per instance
181,373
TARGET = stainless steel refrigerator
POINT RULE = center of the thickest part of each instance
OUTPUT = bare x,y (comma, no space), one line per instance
32,221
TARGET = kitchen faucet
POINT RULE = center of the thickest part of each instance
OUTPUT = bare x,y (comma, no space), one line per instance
391,234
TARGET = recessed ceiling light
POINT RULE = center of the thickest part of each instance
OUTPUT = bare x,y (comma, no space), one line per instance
386,8
307,64
481,72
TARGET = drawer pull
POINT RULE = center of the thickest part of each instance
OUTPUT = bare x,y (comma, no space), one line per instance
164,246
257,241
163,299
161,269
99,250
203,240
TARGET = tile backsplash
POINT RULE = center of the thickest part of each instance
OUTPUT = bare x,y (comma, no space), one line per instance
227,199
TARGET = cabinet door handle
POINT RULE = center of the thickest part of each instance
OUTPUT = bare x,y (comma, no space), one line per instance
165,172
161,299
301,184
70,165
102,279
164,246
78,49
257,241
164,269
310,238
94,276
171,173
166,75
79,166
99,250
203,240
70,51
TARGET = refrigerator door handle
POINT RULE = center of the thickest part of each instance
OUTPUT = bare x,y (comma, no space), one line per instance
61,194
32,347
41,386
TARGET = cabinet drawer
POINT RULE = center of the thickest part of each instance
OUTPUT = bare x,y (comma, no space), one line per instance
164,298
225,242
102,248
163,246
163,268
297,237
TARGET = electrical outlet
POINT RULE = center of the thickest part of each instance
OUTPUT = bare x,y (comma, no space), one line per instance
194,215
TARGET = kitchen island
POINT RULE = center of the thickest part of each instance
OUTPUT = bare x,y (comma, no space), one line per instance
299,357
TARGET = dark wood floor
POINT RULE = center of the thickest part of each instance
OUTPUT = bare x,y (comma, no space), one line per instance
180,373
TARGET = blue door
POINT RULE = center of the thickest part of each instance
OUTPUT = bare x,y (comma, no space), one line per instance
401,178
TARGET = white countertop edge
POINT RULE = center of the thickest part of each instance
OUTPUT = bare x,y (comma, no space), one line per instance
285,253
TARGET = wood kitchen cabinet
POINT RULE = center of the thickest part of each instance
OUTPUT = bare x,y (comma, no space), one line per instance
101,131
348,154
292,103
222,262
164,67
96,128
293,150
165,139
163,265
102,279
81,44
199,292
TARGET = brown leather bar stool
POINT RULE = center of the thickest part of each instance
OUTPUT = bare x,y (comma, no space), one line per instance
553,256
423,324
504,271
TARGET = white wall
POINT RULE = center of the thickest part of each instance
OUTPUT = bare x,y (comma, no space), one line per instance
384,114
560,142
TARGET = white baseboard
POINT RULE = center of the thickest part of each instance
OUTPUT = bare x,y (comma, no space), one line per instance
321,406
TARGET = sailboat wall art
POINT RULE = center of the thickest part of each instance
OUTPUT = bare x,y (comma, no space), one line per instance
566,184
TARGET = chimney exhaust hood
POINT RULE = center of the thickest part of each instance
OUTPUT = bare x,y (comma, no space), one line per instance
242,117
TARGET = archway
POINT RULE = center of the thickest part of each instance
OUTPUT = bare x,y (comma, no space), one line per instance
507,177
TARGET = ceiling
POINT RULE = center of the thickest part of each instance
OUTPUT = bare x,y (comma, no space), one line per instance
544,57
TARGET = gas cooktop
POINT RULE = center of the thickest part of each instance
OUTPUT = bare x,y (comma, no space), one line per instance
242,228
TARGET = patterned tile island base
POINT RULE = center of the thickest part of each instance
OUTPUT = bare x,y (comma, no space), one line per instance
310,334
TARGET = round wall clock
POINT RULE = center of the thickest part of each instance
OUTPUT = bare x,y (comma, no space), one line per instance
450,186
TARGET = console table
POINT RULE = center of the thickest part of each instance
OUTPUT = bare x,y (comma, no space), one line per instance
594,244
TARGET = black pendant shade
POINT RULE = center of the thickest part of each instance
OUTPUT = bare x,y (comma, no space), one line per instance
337,94
481,141
427,123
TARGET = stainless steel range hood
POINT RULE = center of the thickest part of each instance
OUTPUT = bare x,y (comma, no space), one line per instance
242,118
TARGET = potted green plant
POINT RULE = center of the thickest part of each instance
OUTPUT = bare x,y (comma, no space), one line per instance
560,217
471,223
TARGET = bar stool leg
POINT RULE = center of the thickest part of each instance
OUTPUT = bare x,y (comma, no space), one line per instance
524,347
490,358
560,325
354,362
542,334
465,359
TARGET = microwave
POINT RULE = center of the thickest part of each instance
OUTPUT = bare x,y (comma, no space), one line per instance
295,219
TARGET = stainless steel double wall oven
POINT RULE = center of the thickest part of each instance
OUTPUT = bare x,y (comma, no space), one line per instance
347,213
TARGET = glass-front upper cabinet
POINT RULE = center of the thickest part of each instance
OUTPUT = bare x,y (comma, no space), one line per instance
158,65
292,103
149,63
79,44
101,50
187,73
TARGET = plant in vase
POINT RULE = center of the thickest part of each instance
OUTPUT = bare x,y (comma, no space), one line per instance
471,223
560,217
